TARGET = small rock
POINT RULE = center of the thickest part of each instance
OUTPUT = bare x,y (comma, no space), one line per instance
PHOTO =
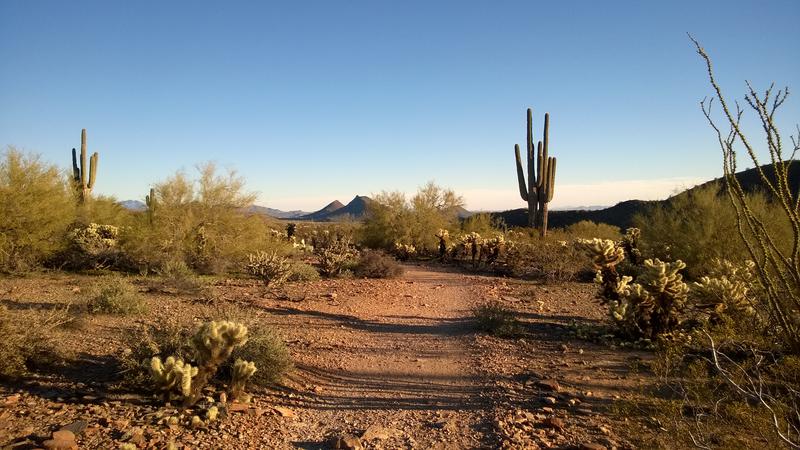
76,427
238,407
285,412
550,400
347,442
377,432
63,435
12,399
549,385
331,295
56,444
554,422
592,446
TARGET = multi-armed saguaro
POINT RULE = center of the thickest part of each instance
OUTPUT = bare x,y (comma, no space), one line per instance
541,176
84,182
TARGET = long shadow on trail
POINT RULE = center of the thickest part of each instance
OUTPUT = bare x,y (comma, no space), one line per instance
442,327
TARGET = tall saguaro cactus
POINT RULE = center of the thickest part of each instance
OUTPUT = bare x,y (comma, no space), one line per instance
150,201
84,182
538,191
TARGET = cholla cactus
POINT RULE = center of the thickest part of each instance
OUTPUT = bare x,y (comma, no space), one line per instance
604,252
242,371
727,291
403,251
333,253
605,255
215,341
272,268
630,243
653,304
173,376
443,235
95,239
473,241
493,247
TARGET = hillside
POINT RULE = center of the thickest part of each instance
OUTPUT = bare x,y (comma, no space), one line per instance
621,214
324,213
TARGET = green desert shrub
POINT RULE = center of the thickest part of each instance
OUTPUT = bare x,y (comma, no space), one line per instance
202,222
377,264
301,271
587,229
482,223
496,319
392,218
37,208
116,295
548,259
699,226
268,351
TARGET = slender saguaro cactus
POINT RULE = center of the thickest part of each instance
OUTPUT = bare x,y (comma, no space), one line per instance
150,200
538,191
84,182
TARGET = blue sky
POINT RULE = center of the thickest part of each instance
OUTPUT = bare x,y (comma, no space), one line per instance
317,100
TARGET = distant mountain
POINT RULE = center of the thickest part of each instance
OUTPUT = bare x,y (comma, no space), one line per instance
621,214
324,213
133,205
276,213
356,209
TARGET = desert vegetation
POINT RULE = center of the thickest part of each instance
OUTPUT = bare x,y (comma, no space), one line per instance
195,311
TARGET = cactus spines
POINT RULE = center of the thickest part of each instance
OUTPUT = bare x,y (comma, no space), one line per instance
173,376
84,182
538,191
150,201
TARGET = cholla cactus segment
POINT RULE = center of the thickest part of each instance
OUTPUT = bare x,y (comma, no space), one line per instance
242,371
727,290
272,268
663,278
442,234
173,375
212,413
604,252
215,341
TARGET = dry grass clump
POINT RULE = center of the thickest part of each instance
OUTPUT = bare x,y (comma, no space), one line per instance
496,319
27,339
116,295
267,350
377,264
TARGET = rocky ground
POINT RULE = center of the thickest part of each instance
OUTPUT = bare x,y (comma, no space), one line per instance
389,364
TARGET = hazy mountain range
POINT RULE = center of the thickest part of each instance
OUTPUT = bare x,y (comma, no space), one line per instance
620,214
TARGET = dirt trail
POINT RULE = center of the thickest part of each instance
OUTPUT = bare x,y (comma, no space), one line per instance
396,355
396,363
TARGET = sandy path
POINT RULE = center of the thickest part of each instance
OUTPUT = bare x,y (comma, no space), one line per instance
394,354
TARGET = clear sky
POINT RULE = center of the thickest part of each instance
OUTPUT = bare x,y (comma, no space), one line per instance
318,100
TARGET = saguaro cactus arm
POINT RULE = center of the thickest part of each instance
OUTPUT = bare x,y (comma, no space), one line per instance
523,189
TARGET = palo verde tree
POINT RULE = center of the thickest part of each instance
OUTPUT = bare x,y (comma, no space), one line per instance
538,191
